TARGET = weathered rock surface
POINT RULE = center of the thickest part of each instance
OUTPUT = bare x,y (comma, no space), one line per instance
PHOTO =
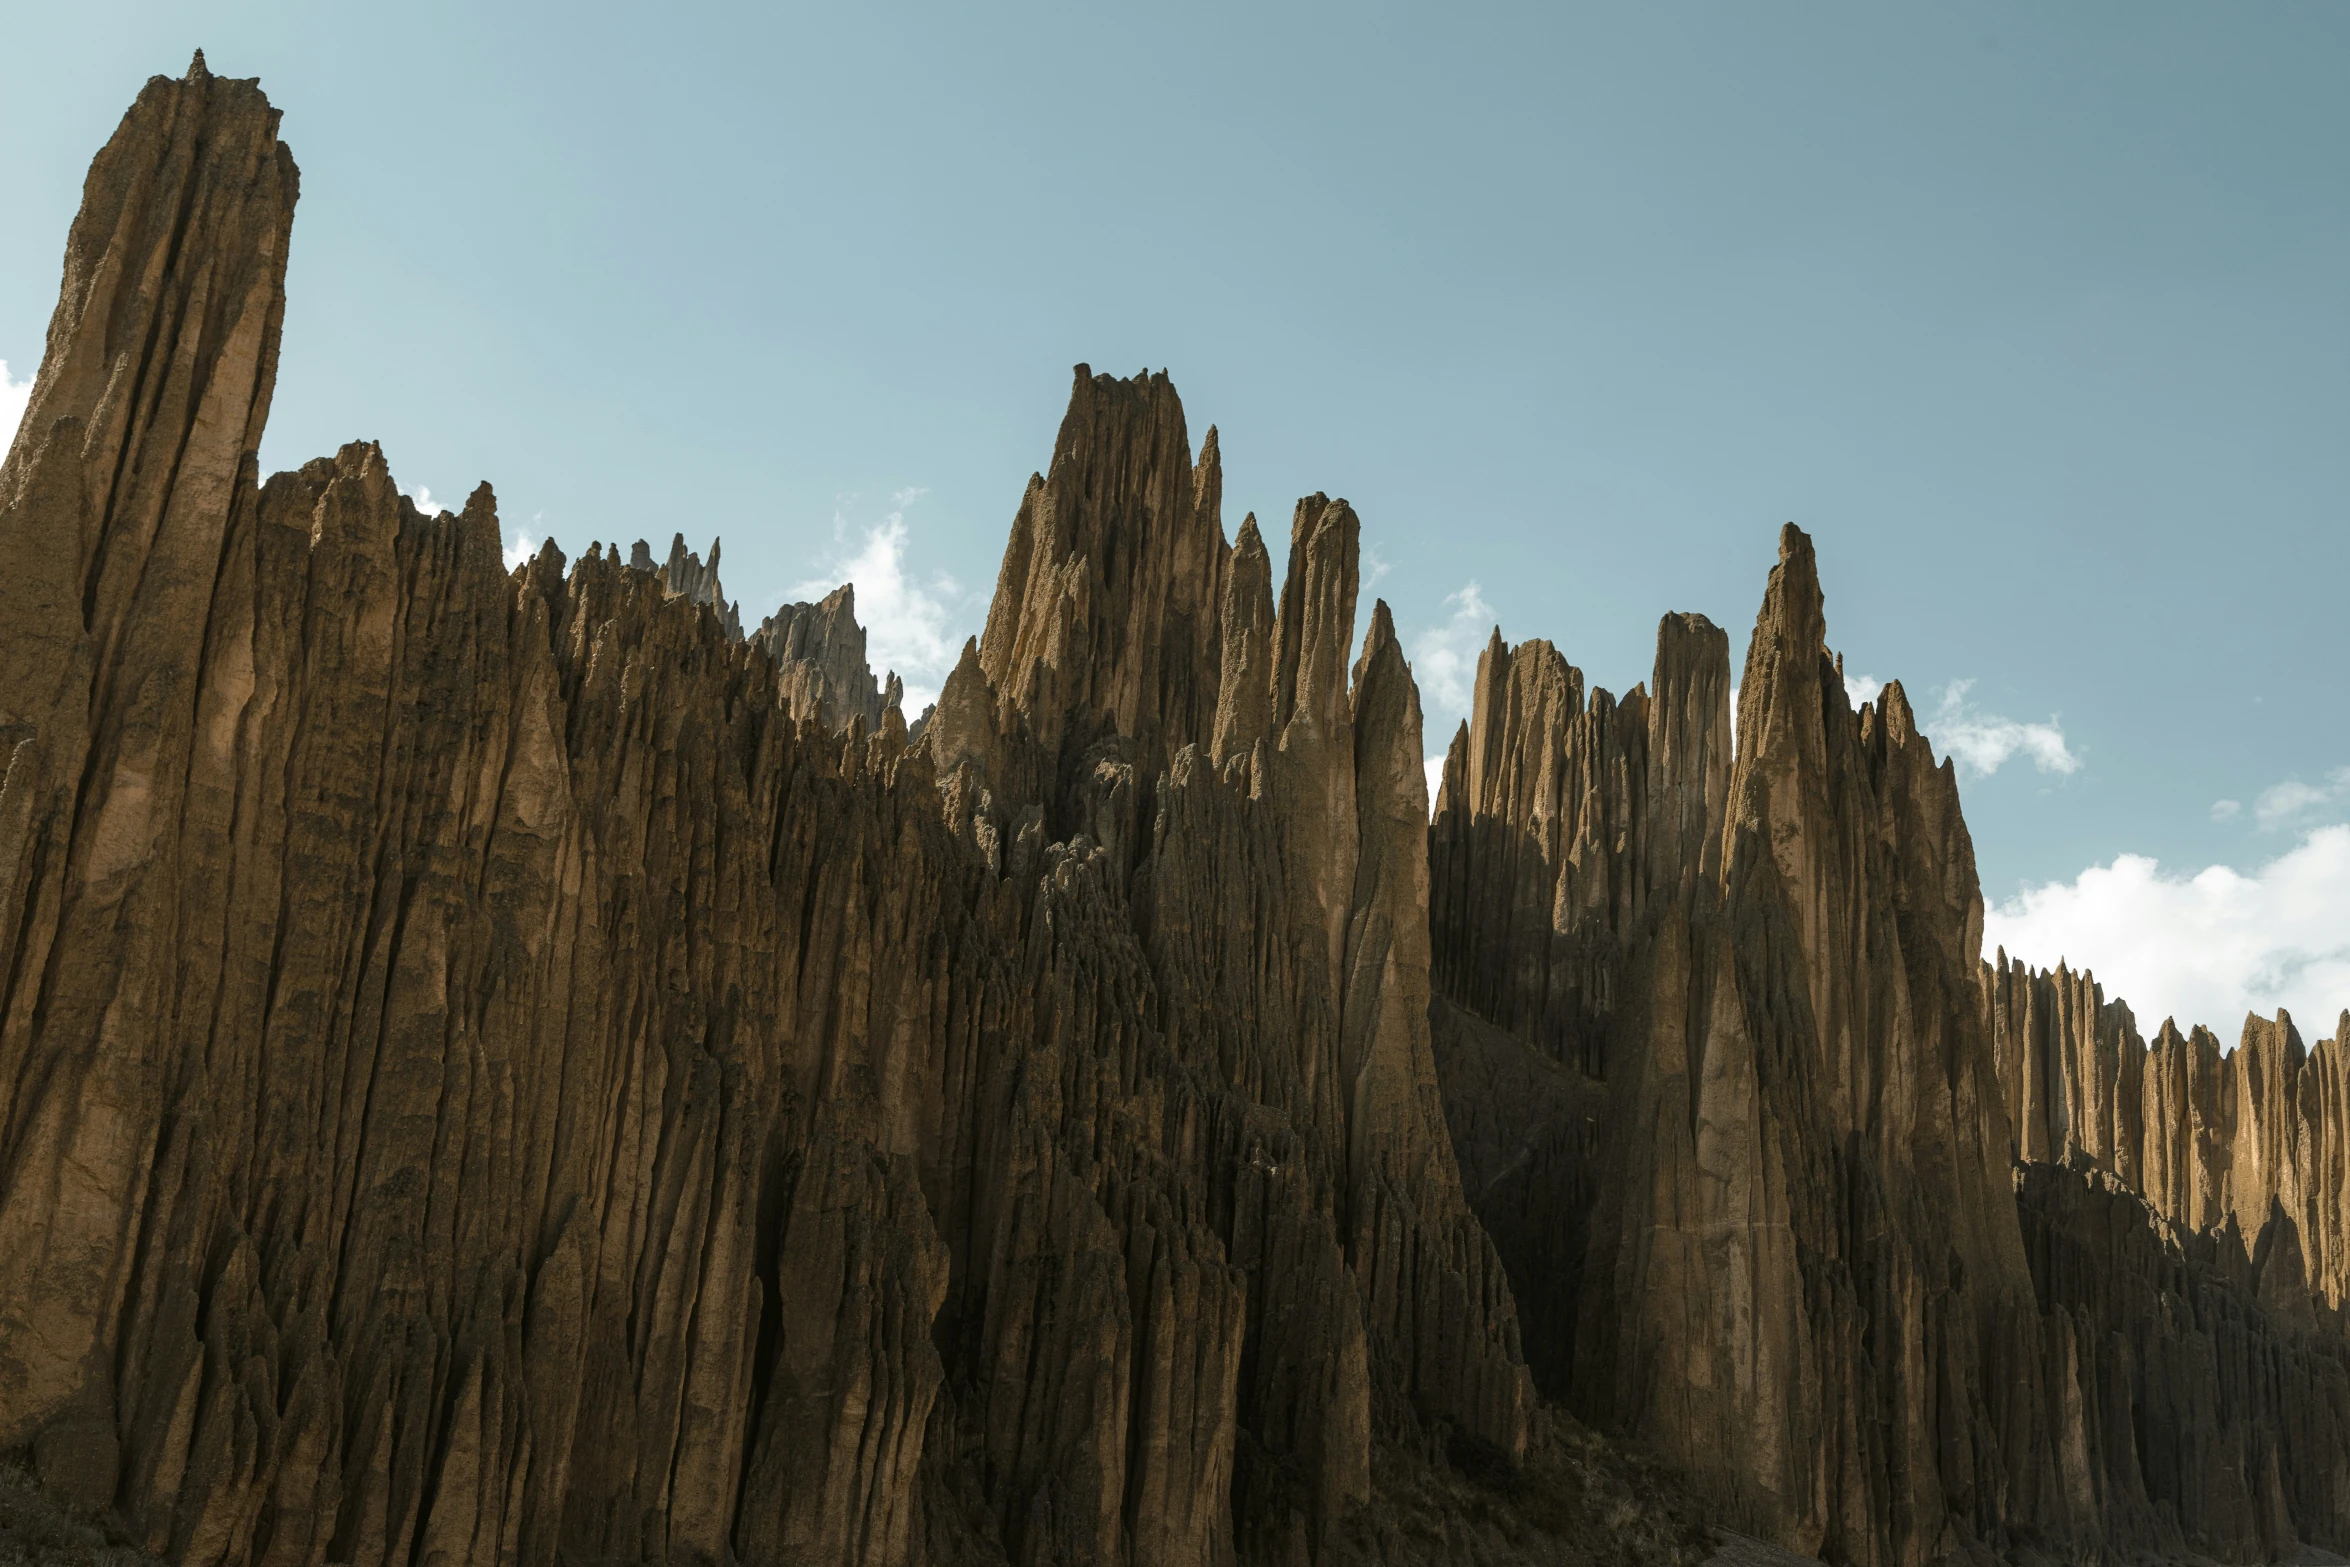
685,576
819,654
1709,1062
492,1073
2242,1140
1770,1138
498,1066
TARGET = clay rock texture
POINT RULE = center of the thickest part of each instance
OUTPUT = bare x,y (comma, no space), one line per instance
819,654
500,1066
495,1068
1731,1092
1761,1216
686,577
2254,1138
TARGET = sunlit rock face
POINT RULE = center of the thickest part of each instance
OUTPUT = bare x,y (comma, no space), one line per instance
502,1066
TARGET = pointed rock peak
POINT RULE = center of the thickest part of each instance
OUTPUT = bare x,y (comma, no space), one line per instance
1900,720
1105,607
1207,484
1246,626
1787,658
1692,655
1378,642
819,654
1794,599
961,724
198,71
1107,411
641,557
480,519
1317,613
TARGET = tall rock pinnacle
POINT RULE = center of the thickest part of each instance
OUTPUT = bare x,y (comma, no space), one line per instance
133,466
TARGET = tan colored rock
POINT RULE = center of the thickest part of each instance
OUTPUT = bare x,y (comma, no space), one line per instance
819,653
497,1067
490,1082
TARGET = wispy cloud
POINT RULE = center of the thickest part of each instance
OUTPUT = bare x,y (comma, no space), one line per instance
2226,810
14,395
1444,661
1985,742
1860,689
1444,656
2291,802
2202,948
913,625
422,496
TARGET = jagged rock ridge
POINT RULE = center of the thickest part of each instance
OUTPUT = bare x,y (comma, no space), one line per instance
498,1066
1730,1090
819,653
485,1079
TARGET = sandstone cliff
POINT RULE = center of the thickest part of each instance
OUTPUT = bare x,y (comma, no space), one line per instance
1723,1097
1769,1131
491,1071
500,1066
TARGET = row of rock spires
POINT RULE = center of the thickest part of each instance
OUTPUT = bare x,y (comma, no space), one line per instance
1897,1252
818,649
504,1067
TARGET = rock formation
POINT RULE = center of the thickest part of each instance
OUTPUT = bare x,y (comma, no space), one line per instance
819,654
485,1080
499,1066
2255,1137
1773,1140
684,576
1730,1095
2186,1214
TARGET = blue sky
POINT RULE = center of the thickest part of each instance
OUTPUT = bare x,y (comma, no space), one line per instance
2036,317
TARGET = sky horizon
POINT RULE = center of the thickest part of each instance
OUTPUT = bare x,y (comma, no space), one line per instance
2034,322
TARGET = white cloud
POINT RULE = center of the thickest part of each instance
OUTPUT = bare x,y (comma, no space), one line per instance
2205,948
1444,661
14,395
519,552
1375,566
911,626
2226,810
1860,690
2282,805
425,503
1444,657
1985,742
